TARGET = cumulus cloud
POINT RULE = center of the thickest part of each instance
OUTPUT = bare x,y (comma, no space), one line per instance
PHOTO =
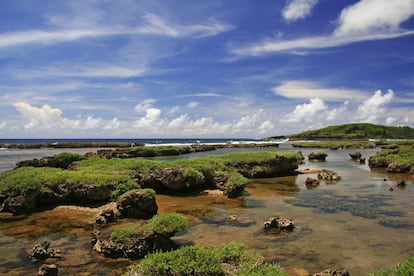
374,107
369,16
3,125
42,114
144,105
298,9
150,120
308,89
307,111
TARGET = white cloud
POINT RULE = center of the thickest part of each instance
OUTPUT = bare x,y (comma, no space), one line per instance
298,9
367,26
373,108
192,104
43,114
307,111
3,125
144,105
150,120
308,89
369,16
152,25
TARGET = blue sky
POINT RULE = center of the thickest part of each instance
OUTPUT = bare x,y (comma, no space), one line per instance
184,68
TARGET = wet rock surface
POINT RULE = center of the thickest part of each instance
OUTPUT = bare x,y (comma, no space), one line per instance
317,156
106,216
329,175
48,270
279,223
43,251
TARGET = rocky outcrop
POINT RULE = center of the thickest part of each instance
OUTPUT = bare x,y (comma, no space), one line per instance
357,156
48,270
43,251
318,156
105,217
279,223
18,204
332,272
280,165
329,175
390,166
137,204
133,247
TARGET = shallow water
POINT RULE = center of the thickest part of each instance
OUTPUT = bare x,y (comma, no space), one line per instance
347,224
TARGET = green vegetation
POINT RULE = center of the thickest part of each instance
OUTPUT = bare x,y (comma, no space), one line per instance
147,151
230,259
166,224
236,179
334,144
119,174
43,178
163,224
358,131
403,269
396,159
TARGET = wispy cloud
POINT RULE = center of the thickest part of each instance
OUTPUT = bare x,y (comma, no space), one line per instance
152,25
298,9
308,89
358,22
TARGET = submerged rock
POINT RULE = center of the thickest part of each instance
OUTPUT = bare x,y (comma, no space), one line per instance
279,223
42,251
311,182
48,270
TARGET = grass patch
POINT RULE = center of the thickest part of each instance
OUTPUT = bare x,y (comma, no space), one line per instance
164,224
335,144
403,269
230,259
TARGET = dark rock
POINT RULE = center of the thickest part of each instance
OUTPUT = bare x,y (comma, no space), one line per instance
279,223
48,270
355,155
332,272
311,182
134,247
105,216
19,204
42,251
318,155
137,204
362,160
233,191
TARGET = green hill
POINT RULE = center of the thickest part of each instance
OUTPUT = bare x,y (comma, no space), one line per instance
357,131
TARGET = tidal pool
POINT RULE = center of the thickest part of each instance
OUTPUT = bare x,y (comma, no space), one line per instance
356,223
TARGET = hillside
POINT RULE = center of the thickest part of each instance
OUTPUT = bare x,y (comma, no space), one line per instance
357,131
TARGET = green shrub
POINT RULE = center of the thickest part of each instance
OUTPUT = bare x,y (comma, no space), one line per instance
230,259
166,224
236,179
122,233
403,269
124,186
193,177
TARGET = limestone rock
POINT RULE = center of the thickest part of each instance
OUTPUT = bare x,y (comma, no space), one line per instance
332,272
48,270
279,223
137,204
42,251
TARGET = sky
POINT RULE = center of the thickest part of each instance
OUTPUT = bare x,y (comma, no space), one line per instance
202,69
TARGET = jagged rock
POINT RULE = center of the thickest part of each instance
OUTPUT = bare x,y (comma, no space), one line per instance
137,204
362,160
105,216
329,175
318,155
19,204
134,247
332,272
233,191
311,182
48,270
42,251
279,223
